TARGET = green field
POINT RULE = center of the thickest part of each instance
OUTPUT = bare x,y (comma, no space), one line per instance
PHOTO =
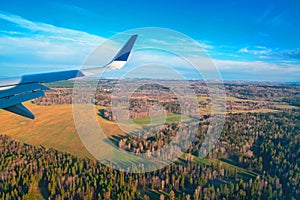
157,120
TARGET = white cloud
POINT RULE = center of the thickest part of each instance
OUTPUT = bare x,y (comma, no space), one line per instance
268,53
258,70
244,50
258,51
36,42
39,28
257,66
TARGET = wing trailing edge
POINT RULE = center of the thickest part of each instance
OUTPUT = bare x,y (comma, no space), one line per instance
20,109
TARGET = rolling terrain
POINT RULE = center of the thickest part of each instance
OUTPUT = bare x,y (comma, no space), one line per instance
54,127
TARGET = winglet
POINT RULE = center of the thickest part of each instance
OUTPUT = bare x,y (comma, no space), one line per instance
20,109
124,52
117,62
121,57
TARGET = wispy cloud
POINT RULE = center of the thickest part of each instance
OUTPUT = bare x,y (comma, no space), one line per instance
258,70
182,44
293,53
258,50
75,9
36,42
273,17
38,28
269,53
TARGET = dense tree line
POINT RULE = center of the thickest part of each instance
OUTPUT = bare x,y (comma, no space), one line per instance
268,144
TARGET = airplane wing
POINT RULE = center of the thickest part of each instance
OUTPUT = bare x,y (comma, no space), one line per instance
15,90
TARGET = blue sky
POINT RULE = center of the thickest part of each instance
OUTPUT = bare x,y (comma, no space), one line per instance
247,40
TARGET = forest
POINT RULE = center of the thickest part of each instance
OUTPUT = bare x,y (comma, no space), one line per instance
257,157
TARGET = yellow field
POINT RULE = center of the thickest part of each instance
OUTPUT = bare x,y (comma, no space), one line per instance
53,127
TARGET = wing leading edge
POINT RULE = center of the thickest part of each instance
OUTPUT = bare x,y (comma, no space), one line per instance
15,90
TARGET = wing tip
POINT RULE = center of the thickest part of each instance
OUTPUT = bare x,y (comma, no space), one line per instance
125,51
